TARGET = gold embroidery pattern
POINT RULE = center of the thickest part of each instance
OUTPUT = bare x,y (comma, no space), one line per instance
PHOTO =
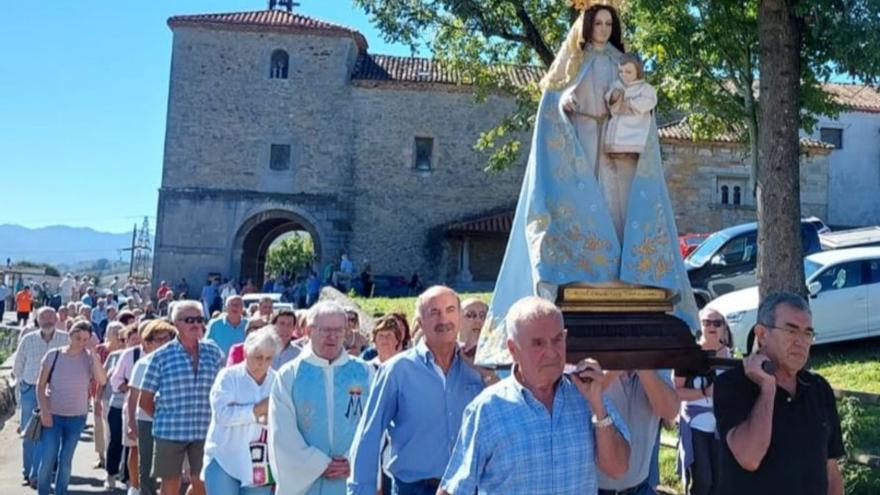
651,260
492,345
558,240
305,416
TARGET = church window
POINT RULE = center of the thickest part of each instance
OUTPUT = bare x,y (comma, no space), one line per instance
731,191
832,136
279,65
424,154
279,157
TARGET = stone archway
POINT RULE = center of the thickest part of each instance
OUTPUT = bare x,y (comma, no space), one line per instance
255,236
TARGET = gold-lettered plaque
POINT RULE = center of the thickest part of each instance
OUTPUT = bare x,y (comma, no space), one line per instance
614,299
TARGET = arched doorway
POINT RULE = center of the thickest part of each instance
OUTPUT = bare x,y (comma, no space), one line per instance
257,234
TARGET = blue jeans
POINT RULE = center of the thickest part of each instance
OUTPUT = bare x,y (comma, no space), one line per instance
63,435
416,488
218,482
31,453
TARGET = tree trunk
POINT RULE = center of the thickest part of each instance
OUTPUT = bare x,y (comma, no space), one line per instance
780,253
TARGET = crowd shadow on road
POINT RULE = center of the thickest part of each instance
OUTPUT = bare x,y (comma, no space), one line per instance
84,481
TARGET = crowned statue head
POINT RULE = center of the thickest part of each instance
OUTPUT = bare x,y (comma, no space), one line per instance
598,24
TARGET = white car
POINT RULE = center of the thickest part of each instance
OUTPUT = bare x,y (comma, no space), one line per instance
844,286
277,305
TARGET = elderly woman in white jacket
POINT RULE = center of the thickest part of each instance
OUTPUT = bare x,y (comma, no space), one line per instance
236,456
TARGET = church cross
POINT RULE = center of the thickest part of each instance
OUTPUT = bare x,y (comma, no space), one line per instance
287,5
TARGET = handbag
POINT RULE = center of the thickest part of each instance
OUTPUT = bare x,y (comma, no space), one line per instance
262,472
34,428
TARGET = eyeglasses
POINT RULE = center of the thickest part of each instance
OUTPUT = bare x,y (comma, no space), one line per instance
713,323
163,339
473,315
189,320
324,331
807,335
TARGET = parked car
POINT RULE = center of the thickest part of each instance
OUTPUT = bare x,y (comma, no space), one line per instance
688,242
821,227
844,287
864,236
277,305
727,260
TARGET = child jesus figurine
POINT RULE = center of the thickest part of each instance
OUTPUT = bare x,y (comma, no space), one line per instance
630,102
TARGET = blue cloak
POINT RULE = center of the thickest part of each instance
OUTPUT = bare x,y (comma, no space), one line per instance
562,232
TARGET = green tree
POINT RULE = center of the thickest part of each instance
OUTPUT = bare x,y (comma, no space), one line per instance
801,43
290,255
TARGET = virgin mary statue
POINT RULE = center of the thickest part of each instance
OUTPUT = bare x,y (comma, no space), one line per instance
586,216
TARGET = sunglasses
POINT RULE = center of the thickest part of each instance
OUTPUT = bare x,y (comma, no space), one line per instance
189,320
713,323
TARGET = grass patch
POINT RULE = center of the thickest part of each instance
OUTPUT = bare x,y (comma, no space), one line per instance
407,305
668,474
853,365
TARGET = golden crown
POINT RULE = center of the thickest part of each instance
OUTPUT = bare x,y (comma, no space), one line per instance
585,4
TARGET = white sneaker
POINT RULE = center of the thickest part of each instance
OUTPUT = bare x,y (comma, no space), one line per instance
110,484
133,491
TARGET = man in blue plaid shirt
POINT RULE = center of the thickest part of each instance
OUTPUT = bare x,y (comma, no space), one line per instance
176,392
538,431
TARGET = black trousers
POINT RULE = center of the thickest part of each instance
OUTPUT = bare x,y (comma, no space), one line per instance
114,447
704,472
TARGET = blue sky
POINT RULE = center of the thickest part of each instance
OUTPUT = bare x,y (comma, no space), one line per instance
83,95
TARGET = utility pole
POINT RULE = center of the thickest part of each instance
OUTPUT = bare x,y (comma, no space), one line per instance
142,257
131,250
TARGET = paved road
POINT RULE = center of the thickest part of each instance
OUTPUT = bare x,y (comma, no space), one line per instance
83,479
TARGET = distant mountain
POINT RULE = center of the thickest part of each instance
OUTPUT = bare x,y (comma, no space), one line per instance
60,244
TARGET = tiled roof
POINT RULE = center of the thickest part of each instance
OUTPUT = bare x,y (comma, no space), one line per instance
498,223
268,20
855,96
681,130
422,70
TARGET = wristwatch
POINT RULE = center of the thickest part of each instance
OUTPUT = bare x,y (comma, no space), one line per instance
602,423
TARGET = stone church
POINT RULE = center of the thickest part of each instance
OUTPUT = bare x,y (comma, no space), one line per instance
279,122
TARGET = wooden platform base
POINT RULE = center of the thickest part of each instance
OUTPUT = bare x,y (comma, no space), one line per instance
627,341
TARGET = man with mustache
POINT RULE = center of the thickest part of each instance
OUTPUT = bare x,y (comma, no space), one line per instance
780,431
419,396
538,431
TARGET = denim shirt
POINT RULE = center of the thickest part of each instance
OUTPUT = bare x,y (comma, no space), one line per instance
422,413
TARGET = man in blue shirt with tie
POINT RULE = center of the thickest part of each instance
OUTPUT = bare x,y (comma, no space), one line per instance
424,392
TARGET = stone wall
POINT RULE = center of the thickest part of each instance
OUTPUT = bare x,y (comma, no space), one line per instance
693,171
201,231
8,341
224,112
400,211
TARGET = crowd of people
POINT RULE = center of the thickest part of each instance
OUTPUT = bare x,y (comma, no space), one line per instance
301,401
